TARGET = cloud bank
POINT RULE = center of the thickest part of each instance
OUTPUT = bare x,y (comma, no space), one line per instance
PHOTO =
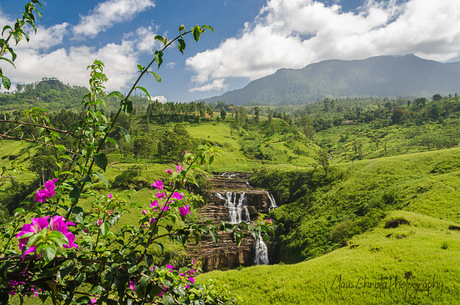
295,33
46,56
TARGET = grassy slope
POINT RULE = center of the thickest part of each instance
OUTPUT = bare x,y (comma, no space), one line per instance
428,185
376,261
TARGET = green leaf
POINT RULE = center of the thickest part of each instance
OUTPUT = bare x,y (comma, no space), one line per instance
159,58
145,91
101,160
74,194
103,179
113,141
168,299
115,93
126,133
157,77
7,60
49,252
105,229
141,68
196,33
6,82
181,45
6,27
208,27
214,235
162,39
127,106
79,214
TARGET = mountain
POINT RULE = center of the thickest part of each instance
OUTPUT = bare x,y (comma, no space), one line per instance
380,76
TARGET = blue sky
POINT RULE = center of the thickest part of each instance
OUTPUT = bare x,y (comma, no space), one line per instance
252,39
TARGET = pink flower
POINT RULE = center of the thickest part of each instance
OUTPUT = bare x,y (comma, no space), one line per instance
132,285
186,151
177,195
93,301
57,223
158,184
99,222
154,204
179,168
110,195
145,212
170,267
48,192
169,171
161,195
165,208
184,210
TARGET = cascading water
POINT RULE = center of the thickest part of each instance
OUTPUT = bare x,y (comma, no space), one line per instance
260,252
272,201
237,207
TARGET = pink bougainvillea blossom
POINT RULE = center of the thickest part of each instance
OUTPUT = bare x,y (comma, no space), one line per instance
57,223
184,210
170,267
99,222
132,285
179,168
48,192
158,184
161,195
177,195
154,204
169,171
110,195
145,212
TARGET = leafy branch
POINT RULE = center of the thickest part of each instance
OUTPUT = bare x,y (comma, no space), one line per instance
17,33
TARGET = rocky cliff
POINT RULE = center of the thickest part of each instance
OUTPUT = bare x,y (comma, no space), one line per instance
226,254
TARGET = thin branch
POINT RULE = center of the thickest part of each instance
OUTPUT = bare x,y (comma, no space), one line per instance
35,141
40,126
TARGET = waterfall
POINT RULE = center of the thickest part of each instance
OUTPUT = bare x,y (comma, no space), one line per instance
237,207
228,175
261,252
272,201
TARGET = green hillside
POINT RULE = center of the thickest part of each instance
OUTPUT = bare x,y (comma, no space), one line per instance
410,264
340,170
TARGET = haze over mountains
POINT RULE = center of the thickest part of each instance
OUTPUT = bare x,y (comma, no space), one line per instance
381,76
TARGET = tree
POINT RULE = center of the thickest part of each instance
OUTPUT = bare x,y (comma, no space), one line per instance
323,159
256,114
223,114
143,147
437,97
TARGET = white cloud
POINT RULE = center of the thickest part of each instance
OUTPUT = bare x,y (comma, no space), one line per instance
217,84
295,33
108,13
69,66
45,56
159,98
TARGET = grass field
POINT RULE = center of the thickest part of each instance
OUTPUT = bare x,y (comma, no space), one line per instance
410,264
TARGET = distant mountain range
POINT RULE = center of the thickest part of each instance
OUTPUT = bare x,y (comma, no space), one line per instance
381,76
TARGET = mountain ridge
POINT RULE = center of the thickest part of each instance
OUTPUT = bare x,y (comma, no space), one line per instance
379,76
